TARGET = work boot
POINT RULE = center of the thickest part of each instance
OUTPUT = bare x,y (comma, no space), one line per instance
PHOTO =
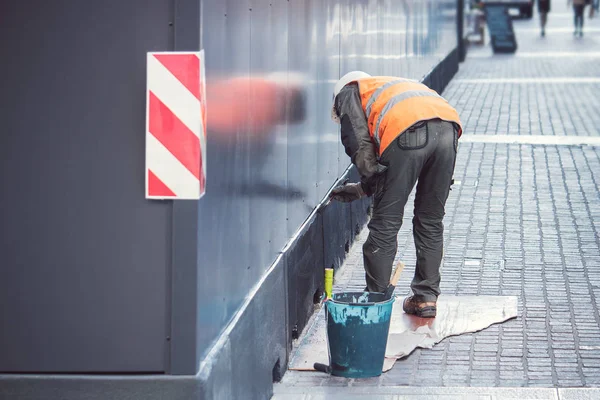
420,309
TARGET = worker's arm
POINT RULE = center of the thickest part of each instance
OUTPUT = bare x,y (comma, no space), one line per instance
356,138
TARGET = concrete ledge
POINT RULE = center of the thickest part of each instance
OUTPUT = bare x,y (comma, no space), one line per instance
253,349
303,283
97,387
435,393
417,393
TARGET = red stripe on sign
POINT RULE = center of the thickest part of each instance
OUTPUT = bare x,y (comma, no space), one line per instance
174,135
202,176
203,100
156,187
185,67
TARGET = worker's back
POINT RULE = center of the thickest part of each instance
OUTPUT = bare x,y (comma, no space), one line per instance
392,105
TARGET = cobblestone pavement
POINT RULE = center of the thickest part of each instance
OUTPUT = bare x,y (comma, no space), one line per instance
522,220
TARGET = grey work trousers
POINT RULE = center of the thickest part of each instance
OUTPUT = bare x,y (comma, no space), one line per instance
426,152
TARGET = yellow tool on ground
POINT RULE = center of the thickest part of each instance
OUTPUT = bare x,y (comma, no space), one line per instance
328,282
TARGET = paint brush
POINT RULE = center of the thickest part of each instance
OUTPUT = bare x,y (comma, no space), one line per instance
394,280
327,200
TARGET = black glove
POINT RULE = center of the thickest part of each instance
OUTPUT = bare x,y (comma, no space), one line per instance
374,184
347,193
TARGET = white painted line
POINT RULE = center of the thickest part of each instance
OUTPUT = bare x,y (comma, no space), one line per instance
532,139
551,30
560,54
289,391
538,54
554,16
531,80
469,138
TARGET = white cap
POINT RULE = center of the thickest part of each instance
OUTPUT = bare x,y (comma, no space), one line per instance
343,81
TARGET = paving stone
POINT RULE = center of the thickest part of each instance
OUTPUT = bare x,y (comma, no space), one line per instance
524,221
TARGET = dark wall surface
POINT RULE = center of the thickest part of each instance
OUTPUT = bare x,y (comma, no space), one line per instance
273,151
84,257
94,277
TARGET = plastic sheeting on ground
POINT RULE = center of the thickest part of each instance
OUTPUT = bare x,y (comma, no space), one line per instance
455,315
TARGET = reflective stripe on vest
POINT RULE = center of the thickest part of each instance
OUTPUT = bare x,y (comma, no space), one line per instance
397,99
392,105
380,90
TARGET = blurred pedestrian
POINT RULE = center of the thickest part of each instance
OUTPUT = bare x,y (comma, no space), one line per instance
543,9
578,8
594,7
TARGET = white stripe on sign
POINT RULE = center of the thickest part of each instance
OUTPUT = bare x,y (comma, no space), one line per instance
532,139
165,166
174,95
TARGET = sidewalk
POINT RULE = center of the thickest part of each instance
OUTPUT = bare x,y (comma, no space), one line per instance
522,219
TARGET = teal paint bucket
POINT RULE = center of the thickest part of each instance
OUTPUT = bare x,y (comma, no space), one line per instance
357,330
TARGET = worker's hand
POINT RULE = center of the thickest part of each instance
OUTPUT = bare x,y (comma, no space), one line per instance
347,193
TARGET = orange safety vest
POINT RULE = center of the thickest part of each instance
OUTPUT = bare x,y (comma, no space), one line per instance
392,105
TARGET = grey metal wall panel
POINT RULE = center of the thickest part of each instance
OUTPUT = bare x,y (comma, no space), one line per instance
224,212
303,279
302,166
332,161
83,255
273,151
183,357
268,56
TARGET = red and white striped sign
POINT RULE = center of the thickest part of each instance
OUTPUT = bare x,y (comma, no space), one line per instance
175,125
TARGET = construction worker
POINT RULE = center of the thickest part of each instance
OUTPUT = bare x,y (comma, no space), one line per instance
397,132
